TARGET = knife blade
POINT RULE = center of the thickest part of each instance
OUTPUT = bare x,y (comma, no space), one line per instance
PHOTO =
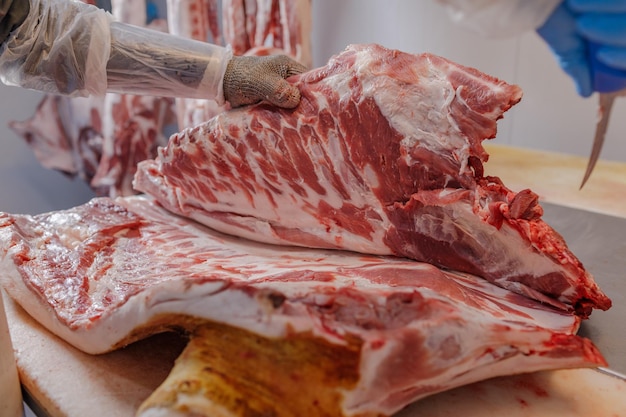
609,83
606,105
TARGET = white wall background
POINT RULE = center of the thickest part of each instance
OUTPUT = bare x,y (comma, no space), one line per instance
551,116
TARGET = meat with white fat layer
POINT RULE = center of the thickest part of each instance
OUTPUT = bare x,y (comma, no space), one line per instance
108,272
382,156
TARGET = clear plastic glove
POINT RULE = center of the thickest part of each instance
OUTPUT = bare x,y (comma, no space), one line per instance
250,79
603,22
570,49
499,18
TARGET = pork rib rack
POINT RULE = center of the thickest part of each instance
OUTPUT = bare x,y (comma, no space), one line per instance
383,156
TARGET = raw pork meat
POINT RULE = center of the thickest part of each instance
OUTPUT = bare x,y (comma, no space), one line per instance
111,271
383,156
132,134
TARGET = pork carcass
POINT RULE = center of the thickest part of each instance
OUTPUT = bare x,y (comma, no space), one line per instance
281,24
111,271
65,135
382,156
133,126
100,139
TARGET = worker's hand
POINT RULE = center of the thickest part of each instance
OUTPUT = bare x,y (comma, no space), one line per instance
574,24
569,48
250,79
603,22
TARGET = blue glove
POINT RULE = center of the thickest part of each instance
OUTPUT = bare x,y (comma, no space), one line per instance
603,22
597,6
570,49
578,28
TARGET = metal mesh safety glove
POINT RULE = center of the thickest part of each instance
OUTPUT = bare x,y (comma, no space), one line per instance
250,79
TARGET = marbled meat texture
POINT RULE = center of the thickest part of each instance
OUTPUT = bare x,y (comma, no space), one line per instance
382,156
108,272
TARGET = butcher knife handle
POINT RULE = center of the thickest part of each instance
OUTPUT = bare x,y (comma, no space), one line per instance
604,79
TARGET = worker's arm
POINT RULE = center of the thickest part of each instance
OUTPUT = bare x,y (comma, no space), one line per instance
71,48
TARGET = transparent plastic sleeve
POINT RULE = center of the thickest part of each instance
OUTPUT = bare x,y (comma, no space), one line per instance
75,49
500,18
149,62
62,47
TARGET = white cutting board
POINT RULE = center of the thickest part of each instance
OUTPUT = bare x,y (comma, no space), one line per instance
564,393
10,396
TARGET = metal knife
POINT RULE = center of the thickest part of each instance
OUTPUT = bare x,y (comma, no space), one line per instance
609,83
606,105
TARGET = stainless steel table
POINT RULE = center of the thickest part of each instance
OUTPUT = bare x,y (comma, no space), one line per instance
599,241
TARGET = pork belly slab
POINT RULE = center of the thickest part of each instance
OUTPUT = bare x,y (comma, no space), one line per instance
109,272
383,156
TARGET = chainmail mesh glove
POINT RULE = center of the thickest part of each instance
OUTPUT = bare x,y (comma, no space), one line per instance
250,79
